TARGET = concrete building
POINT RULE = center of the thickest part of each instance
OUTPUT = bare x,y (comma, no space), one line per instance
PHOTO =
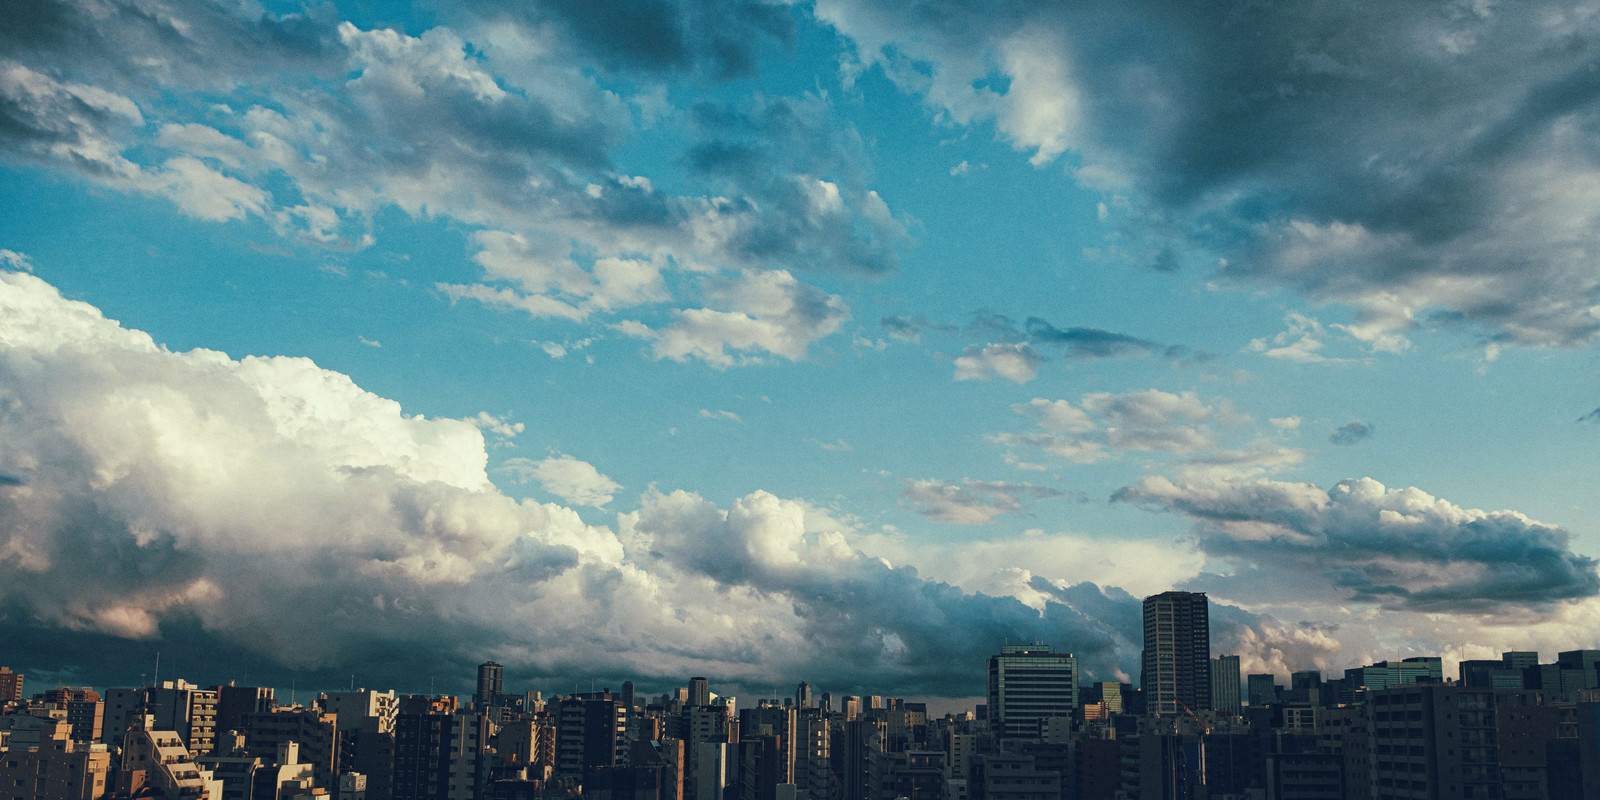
353,708
233,702
10,686
121,707
1029,683
1015,777
1176,662
814,754
1386,674
187,709
156,763
285,778
441,756
699,692
491,684
709,772
315,732
1262,689
56,768
1225,696
1434,741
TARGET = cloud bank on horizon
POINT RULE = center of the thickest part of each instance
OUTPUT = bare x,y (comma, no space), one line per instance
697,327
144,485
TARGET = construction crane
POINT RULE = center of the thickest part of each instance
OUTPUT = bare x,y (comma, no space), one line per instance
1205,730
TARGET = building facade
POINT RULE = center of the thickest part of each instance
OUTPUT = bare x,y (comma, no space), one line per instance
1029,683
1176,662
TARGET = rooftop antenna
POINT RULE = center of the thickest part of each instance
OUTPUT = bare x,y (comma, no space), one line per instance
156,682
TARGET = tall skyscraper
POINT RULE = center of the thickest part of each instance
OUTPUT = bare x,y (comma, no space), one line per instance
699,692
1029,683
1225,684
490,684
1176,663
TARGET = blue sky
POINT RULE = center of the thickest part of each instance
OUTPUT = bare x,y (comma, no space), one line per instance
835,341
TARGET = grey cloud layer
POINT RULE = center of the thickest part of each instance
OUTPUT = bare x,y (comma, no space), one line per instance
719,39
1430,164
1401,548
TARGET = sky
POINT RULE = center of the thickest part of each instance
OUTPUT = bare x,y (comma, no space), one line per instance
839,341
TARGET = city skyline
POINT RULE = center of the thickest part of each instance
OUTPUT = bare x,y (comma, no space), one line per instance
834,341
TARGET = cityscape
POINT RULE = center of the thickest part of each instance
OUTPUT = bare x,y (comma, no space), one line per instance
799,399
1193,727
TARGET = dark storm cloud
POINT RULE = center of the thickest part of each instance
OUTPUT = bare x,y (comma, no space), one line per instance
1352,432
1427,163
1398,548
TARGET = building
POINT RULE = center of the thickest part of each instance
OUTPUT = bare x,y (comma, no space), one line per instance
1225,695
233,702
1262,689
155,763
1176,662
1029,683
1387,674
491,685
121,707
59,768
315,733
186,709
440,756
699,692
1432,741
10,686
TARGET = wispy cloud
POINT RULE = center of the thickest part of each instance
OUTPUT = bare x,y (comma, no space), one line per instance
1018,363
573,480
971,502
766,312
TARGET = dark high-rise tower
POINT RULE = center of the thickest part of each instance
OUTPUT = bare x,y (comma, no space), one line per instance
1176,662
490,687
